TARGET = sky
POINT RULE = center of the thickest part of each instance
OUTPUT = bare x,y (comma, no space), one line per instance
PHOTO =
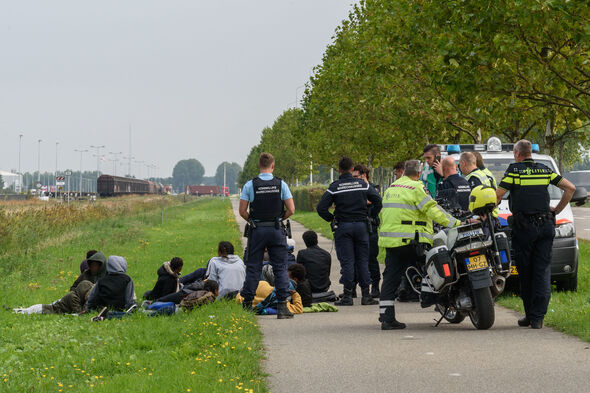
189,78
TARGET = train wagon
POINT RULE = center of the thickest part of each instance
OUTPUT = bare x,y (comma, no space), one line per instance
202,190
108,185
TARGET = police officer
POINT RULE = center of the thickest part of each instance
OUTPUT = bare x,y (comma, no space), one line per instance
270,201
533,227
350,222
454,188
408,211
474,175
362,172
480,165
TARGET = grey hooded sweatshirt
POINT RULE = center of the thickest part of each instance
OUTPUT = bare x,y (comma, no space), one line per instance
115,290
229,273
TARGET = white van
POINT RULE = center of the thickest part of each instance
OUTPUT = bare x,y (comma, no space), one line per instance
497,156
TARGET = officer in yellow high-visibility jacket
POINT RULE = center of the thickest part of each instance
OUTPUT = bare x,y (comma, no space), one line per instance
407,209
475,176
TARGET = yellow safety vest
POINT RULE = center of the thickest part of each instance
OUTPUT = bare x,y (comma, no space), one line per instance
407,208
490,176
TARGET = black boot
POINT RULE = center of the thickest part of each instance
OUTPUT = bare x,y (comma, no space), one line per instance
393,325
375,293
247,305
367,299
354,292
283,311
524,321
345,299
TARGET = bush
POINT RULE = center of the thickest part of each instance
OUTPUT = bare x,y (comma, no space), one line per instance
306,198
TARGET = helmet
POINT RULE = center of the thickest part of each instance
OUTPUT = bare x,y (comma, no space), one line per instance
482,200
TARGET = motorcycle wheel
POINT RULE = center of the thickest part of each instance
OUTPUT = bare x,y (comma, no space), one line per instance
483,314
452,315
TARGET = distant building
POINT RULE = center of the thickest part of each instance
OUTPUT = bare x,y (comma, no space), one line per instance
10,179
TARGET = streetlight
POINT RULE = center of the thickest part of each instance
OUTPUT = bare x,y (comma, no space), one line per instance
139,168
129,157
98,158
115,161
39,165
81,152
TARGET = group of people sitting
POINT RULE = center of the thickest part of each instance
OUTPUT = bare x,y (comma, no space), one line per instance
104,283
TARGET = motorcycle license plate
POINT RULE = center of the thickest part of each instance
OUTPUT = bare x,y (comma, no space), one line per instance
513,271
477,262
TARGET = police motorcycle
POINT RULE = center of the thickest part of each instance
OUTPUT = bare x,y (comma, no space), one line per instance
467,266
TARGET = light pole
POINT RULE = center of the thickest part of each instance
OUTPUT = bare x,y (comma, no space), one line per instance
115,161
55,177
98,158
39,165
129,167
81,152
139,168
20,176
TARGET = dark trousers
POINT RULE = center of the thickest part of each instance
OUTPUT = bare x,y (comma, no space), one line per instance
397,260
373,262
198,274
275,241
533,247
352,248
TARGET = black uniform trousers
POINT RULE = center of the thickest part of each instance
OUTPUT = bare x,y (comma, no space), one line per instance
275,241
533,246
397,260
352,249
374,269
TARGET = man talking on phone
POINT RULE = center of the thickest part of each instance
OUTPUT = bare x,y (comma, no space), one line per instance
432,173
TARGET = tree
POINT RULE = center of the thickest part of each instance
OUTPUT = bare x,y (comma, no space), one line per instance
232,171
187,172
1,183
250,169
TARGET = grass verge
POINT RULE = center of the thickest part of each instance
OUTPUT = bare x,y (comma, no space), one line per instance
216,348
568,312
312,221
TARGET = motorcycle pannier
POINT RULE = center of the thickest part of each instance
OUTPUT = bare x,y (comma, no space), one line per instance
503,249
440,267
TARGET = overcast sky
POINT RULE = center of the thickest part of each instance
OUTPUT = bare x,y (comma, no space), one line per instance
194,79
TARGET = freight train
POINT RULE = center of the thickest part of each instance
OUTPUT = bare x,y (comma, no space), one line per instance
108,185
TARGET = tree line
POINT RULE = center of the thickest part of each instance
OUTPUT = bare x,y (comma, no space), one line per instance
400,74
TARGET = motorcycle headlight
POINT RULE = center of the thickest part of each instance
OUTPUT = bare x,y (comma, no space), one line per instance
565,230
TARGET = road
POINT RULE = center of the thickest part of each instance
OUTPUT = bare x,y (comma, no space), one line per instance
347,352
582,222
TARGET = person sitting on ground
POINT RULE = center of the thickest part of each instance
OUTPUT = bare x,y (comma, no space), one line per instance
96,270
297,274
290,250
317,262
265,294
72,303
227,269
115,290
84,263
167,279
201,297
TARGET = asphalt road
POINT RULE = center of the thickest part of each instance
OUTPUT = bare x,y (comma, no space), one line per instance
347,352
582,222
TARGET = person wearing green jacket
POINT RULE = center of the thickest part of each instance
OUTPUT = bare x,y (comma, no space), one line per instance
431,174
72,303
97,268
408,213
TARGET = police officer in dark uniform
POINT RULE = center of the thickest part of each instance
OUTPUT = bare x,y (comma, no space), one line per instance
351,228
270,201
454,189
360,171
533,227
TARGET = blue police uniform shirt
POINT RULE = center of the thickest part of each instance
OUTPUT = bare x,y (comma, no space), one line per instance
248,189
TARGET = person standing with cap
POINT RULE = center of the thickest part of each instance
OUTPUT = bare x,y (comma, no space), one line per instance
265,202
406,225
351,228
533,227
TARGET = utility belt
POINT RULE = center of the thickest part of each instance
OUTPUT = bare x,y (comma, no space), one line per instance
277,224
371,223
536,219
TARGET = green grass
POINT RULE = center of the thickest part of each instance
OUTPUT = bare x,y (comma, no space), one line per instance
568,312
216,348
311,220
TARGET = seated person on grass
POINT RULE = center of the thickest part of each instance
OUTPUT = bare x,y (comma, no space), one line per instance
84,263
227,269
297,274
290,250
317,262
168,281
115,290
97,268
72,303
265,294
201,297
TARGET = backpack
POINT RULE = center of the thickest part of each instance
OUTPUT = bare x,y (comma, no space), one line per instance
197,299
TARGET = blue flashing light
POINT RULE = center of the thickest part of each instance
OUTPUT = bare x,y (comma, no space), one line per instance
451,149
535,147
